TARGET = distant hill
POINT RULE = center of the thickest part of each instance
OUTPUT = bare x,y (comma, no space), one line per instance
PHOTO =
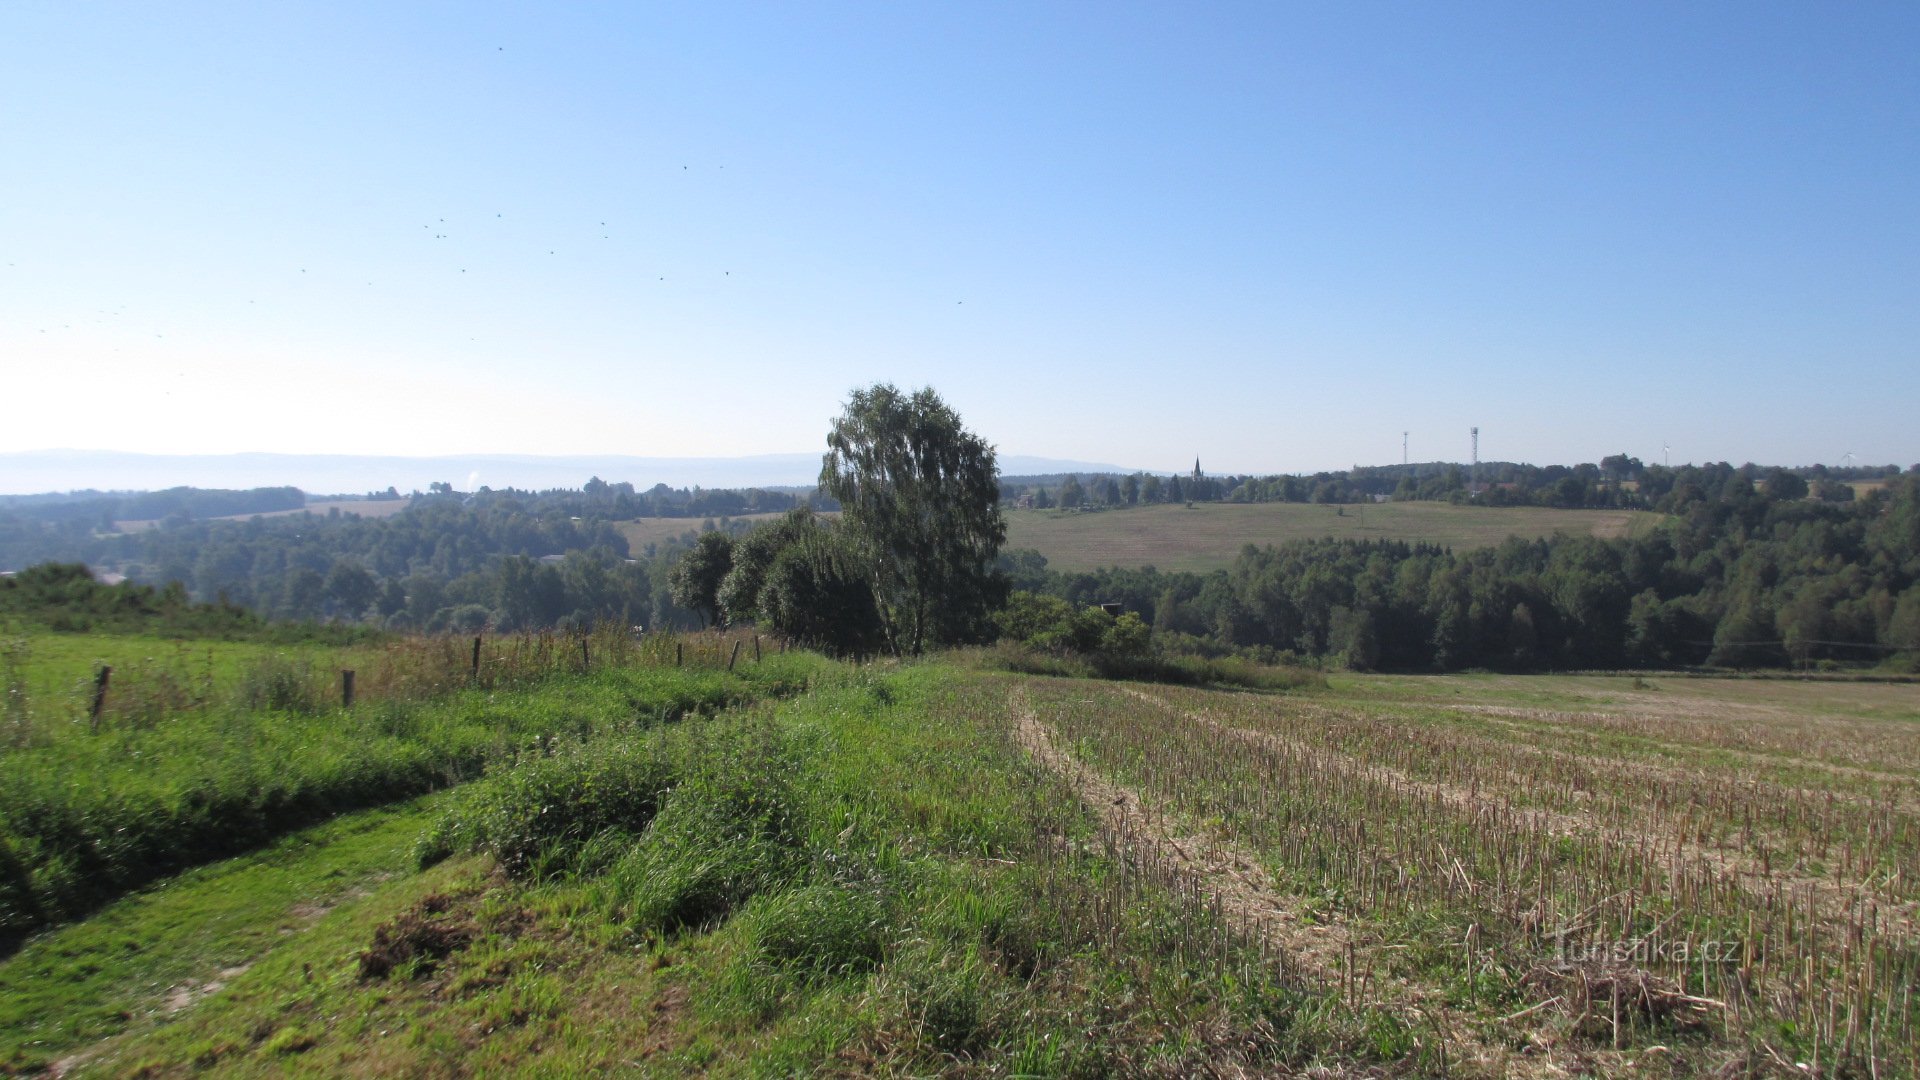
28,472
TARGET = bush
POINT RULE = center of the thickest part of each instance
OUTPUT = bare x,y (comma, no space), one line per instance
536,816
729,830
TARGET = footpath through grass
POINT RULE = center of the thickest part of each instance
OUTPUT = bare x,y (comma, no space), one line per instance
871,878
86,814
145,959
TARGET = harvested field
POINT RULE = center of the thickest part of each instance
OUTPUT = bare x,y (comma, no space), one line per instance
1209,535
660,530
1732,865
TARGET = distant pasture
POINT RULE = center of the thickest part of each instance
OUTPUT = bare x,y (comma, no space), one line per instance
1208,536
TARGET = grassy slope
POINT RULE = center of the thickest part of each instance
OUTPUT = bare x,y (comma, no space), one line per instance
1004,939
1210,535
144,960
366,508
60,668
87,816
1004,936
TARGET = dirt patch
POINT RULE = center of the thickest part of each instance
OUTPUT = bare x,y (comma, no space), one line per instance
433,929
664,1021
183,995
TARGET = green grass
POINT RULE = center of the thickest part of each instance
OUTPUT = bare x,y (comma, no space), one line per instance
85,816
137,962
885,884
873,876
1210,535
60,668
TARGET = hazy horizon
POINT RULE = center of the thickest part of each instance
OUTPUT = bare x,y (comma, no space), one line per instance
65,469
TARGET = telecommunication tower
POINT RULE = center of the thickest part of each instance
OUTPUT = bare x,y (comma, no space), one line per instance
1403,448
1473,481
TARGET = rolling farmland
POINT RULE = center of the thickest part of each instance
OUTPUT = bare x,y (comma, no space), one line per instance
1208,536
1391,875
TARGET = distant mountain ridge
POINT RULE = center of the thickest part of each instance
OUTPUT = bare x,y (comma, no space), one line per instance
35,471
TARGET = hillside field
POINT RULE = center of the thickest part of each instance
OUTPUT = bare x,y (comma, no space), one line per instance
660,530
1209,536
669,863
366,508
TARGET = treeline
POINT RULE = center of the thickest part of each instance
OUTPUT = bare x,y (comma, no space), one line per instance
1618,481
451,559
447,560
1741,578
101,509
620,501
65,597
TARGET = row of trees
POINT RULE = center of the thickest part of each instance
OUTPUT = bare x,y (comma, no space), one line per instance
1740,579
1617,481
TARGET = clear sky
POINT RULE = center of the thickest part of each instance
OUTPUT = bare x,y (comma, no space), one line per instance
1271,235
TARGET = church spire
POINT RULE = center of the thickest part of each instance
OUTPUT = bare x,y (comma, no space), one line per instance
1196,467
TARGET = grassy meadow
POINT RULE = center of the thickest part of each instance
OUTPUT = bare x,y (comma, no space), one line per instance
800,866
366,508
1209,535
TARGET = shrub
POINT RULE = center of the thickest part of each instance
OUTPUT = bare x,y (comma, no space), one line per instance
536,816
729,830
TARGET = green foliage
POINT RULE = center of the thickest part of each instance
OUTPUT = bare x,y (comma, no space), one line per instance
88,817
821,931
1047,635
753,554
919,496
65,597
815,594
727,831
695,580
801,577
537,815
1741,581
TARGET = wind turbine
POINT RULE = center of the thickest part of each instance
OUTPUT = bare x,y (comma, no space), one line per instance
1848,458
1666,456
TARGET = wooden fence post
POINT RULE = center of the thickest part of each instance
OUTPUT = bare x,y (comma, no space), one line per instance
476,658
585,663
756,648
346,688
679,653
736,654
100,694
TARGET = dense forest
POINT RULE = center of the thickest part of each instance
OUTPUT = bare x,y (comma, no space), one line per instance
449,560
1753,567
1739,576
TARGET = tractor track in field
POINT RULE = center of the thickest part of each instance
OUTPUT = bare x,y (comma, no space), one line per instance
1832,898
1535,723
1325,948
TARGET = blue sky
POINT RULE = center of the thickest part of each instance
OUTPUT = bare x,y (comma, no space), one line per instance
1272,235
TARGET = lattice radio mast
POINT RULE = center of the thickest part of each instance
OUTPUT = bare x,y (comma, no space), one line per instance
1473,481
